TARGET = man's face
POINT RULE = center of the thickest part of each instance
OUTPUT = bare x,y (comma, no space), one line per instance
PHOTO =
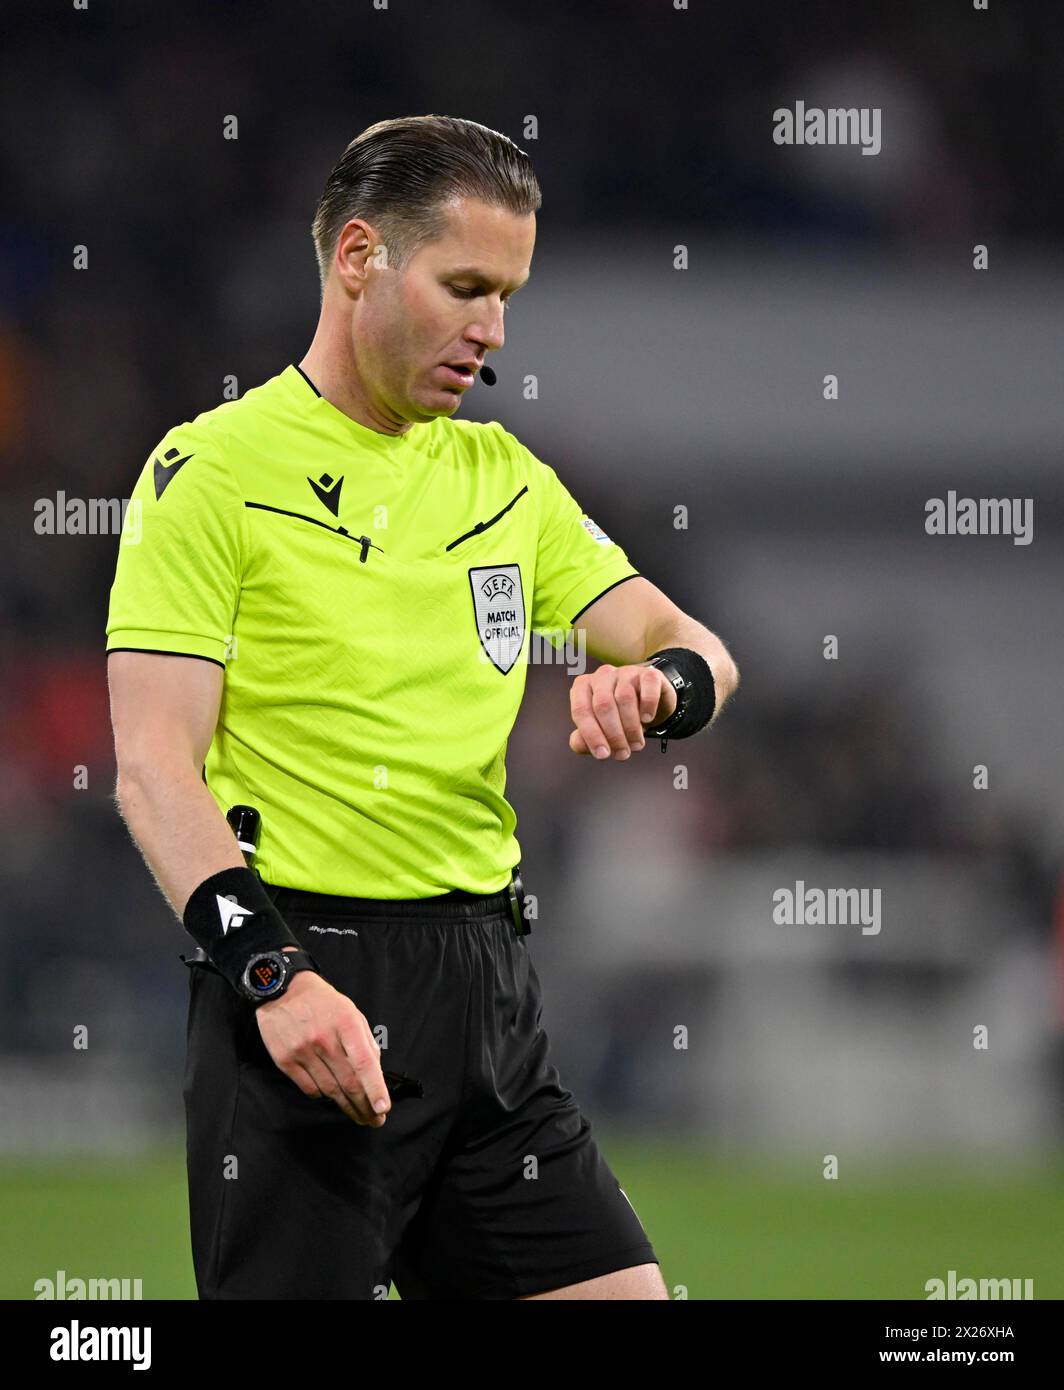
445,306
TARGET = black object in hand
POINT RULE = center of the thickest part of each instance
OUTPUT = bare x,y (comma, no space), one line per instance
402,1087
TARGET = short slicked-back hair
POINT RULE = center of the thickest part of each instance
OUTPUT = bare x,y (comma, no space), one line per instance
399,174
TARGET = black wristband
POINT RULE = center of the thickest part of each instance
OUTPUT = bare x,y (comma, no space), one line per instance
696,701
231,916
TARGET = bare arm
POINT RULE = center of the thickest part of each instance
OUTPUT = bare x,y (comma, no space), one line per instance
612,705
164,710
679,630
636,619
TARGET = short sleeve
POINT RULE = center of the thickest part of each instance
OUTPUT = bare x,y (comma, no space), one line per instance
181,553
576,561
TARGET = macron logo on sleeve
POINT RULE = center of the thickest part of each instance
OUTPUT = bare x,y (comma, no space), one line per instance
166,472
231,913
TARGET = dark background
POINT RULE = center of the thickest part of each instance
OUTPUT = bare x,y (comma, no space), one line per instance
658,388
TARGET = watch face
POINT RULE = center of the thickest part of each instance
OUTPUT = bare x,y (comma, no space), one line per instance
264,975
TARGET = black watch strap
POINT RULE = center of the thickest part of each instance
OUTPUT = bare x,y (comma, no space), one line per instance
672,674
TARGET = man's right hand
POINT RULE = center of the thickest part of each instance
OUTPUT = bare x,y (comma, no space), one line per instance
318,1038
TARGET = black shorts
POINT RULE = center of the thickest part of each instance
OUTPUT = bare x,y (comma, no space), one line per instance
490,1185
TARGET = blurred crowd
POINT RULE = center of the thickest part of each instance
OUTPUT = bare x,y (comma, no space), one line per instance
200,264
199,253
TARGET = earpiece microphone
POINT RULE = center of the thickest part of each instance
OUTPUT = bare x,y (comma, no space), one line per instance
487,376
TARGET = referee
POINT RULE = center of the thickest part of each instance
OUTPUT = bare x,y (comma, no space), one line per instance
325,619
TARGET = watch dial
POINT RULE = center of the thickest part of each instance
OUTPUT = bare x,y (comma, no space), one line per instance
264,974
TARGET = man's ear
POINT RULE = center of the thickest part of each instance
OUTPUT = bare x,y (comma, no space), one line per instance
356,248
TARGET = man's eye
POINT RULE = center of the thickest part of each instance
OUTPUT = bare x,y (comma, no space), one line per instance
460,292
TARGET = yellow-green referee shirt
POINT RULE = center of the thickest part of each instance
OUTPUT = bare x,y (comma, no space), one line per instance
370,598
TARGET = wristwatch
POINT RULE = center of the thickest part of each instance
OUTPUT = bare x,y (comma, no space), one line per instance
269,973
671,673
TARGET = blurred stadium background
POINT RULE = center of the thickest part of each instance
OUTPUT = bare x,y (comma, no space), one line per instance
658,388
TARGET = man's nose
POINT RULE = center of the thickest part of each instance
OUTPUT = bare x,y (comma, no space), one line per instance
488,332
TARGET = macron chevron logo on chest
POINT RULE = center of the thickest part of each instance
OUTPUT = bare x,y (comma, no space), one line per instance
231,913
328,492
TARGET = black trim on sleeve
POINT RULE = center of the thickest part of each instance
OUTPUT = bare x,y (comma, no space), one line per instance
605,591
157,651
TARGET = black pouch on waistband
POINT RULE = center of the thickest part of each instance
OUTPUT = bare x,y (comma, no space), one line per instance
516,890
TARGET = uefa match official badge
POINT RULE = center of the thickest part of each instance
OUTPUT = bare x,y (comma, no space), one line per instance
499,609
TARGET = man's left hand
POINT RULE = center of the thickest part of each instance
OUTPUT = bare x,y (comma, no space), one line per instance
611,707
